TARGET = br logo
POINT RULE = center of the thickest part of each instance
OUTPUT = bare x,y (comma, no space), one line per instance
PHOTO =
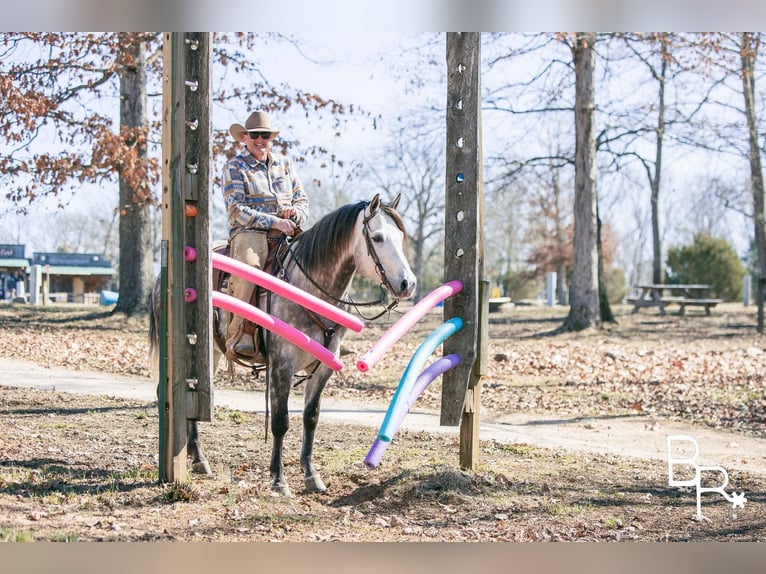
737,500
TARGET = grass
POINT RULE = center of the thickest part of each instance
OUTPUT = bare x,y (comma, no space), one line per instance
13,535
237,417
560,509
180,492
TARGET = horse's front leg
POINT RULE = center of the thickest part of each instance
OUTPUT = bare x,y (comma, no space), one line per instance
200,464
280,378
314,387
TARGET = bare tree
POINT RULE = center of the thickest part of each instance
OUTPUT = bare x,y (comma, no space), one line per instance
584,310
749,45
59,135
414,167
135,227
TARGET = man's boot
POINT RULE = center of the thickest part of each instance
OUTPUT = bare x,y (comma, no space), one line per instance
245,346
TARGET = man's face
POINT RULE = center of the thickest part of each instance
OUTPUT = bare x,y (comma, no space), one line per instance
259,143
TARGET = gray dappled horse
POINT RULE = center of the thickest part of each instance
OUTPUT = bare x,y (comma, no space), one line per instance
365,238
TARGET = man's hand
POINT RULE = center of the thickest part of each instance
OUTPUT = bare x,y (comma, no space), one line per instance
286,226
287,213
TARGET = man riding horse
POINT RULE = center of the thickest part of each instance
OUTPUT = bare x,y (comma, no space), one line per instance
265,201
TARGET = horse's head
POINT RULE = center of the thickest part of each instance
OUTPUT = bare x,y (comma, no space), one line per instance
384,259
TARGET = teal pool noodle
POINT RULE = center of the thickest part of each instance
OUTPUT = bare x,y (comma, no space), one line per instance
403,391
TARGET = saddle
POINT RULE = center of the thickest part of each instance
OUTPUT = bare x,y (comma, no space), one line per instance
278,248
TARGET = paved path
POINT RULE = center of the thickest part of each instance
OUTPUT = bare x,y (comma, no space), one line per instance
634,436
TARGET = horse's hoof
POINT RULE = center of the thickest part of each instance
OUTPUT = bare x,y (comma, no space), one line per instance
314,484
281,488
201,467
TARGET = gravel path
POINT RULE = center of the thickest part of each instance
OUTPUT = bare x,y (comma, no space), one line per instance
636,436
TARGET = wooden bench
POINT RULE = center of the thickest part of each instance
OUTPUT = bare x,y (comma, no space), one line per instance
706,303
499,303
653,295
661,303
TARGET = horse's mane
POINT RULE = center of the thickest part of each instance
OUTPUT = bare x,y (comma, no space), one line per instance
330,236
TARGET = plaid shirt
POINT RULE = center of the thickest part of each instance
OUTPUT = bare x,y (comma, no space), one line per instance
255,191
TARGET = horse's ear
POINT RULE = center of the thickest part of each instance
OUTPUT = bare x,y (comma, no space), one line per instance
395,202
374,204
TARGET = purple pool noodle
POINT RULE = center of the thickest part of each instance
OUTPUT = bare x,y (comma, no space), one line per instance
421,384
398,406
429,374
372,460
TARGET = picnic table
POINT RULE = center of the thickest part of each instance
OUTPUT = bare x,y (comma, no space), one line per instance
661,295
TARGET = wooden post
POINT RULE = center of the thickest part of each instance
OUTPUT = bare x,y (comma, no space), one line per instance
469,423
463,239
185,386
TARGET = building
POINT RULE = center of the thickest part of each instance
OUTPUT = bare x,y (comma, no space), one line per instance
13,272
74,277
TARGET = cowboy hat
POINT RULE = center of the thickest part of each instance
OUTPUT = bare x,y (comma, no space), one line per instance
257,122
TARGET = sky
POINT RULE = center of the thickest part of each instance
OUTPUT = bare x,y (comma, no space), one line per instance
346,68
344,16
353,34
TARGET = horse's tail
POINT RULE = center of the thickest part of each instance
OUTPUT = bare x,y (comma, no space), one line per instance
154,332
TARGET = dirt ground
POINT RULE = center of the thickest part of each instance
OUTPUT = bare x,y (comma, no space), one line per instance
85,468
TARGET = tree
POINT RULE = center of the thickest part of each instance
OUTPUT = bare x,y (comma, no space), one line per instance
135,197
414,167
748,52
732,59
59,91
550,233
708,260
584,310
60,137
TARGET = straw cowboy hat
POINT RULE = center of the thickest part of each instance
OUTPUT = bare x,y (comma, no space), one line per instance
257,122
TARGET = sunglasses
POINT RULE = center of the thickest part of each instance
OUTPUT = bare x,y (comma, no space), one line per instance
262,135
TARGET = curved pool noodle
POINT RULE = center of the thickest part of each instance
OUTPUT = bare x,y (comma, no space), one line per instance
372,460
296,337
287,291
397,408
405,323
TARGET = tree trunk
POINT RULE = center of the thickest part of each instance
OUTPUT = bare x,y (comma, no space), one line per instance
657,271
603,296
561,282
136,258
748,52
584,308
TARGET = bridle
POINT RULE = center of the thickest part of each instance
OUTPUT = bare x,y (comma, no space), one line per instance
384,284
384,281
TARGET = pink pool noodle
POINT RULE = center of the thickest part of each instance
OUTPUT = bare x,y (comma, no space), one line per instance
297,338
405,323
379,446
287,291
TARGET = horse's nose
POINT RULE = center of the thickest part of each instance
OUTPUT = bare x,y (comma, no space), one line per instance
407,287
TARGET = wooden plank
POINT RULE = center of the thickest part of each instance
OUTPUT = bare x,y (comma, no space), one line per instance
185,158
169,471
196,194
463,248
471,418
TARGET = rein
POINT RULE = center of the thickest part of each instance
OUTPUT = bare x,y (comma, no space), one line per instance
385,283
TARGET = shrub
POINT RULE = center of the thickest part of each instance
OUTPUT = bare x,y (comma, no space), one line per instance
707,260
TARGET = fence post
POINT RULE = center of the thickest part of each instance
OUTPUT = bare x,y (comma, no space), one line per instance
185,386
463,238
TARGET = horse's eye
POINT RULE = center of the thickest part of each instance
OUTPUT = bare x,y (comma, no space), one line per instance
377,238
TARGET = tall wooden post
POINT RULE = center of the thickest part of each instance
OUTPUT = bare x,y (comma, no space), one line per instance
185,386
463,240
